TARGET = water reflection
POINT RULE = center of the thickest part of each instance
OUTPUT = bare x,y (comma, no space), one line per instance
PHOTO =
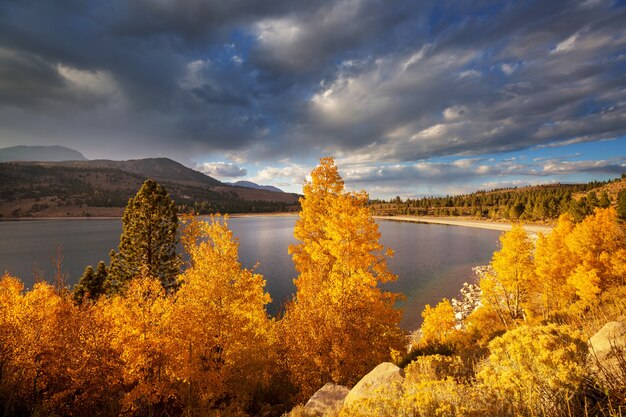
431,261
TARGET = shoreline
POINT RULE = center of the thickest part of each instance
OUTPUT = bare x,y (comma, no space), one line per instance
13,219
479,224
447,221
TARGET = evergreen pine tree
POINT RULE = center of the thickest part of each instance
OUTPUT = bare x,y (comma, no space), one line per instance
516,210
148,241
592,200
604,202
91,284
621,205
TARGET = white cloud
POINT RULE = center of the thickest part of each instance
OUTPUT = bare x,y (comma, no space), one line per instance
567,44
280,39
222,169
431,132
454,112
415,58
293,174
194,75
99,83
277,33
574,167
587,42
508,69
356,98
469,74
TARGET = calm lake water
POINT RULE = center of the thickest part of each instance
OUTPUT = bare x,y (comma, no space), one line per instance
431,261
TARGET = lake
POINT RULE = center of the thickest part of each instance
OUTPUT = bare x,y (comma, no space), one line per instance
431,261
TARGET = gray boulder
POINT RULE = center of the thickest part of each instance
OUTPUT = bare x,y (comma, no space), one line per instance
607,348
328,398
385,376
609,337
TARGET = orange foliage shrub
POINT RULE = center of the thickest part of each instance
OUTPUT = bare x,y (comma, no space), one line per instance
536,369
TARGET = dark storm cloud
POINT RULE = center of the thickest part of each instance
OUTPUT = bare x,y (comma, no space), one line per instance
305,43
521,86
26,79
367,80
198,19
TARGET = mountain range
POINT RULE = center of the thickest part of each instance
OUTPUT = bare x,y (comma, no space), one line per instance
250,184
80,187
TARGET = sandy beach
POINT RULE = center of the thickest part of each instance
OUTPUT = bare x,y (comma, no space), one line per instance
482,224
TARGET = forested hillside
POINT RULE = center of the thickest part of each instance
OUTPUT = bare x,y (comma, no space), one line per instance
534,203
102,188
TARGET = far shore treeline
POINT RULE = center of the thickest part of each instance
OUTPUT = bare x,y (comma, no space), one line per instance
151,332
541,203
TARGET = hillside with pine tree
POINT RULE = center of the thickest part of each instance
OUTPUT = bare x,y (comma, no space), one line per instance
103,187
539,203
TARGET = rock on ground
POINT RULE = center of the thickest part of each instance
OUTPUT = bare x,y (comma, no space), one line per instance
328,398
607,348
612,335
385,375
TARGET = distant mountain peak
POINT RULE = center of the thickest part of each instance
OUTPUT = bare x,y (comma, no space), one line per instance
250,184
53,153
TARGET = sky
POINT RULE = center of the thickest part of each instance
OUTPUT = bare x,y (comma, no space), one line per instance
412,98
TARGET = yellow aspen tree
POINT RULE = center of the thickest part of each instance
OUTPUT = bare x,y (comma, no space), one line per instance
598,244
49,363
438,323
223,338
587,284
554,263
10,337
140,319
92,366
10,296
80,371
340,323
40,357
505,287
481,326
58,358
33,357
